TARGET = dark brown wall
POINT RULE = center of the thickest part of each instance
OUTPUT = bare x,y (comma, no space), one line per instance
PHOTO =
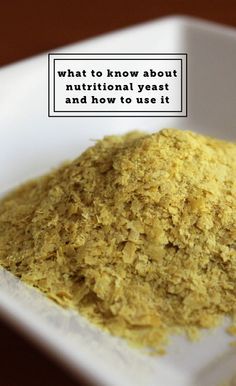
28,27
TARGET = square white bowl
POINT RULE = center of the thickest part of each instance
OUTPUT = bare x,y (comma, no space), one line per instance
31,144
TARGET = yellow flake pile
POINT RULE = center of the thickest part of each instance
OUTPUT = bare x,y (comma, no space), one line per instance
138,234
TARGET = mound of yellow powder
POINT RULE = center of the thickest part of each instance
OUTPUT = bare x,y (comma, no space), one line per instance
138,234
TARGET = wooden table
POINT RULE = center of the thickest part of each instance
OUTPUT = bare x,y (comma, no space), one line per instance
29,27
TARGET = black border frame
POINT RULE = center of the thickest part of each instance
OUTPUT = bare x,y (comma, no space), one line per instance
80,113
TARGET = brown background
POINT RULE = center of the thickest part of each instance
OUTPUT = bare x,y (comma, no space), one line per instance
29,27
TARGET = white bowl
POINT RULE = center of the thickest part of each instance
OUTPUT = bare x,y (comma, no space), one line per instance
31,143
